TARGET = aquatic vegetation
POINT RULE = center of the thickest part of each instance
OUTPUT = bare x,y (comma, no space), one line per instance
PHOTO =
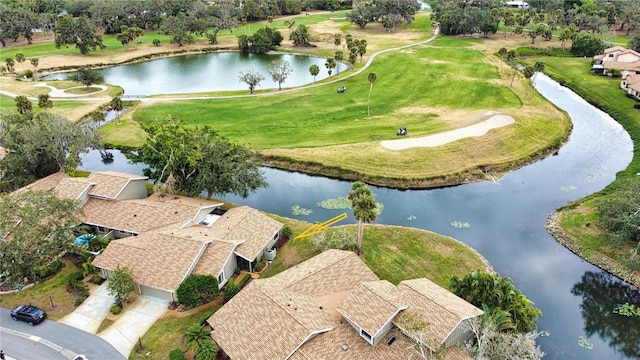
583,342
336,203
411,217
297,210
627,309
460,224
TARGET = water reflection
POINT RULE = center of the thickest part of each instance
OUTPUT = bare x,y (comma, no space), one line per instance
205,72
600,291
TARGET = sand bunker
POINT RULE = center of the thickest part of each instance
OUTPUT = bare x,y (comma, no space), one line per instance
474,130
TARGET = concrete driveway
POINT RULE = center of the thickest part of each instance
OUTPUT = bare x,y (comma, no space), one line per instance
131,325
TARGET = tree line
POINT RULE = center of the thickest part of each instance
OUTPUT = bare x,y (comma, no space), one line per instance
583,22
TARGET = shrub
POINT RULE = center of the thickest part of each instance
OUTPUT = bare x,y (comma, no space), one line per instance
75,284
244,280
176,354
636,106
230,290
27,74
196,290
287,232
49,269
115,309
79,301
259,266
156,42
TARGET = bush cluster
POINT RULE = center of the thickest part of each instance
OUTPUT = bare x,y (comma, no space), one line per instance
176,354
230,290
49,269
115,309
196,290
75,284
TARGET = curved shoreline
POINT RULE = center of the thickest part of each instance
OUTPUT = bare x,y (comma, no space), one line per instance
595,258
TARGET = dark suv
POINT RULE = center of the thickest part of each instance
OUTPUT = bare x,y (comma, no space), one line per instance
28,313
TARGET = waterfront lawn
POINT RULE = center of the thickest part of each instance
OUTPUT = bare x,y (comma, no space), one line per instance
394,253
579,220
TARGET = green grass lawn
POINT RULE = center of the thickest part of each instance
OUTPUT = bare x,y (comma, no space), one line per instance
168,334
393,253
321,117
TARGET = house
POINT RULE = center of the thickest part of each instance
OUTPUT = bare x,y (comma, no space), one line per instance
333,306
631,83
164,238
616,58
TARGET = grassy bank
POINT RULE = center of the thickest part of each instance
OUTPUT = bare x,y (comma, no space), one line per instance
428,89
578,221
394,253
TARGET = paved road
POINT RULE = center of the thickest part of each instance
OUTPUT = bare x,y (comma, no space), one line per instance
51,339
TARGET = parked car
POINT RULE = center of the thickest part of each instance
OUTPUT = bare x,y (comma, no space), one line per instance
28,313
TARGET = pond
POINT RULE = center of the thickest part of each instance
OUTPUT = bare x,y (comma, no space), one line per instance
216,71
505,222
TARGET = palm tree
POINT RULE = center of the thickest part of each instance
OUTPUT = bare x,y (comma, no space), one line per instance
117,106
528,73
339,56
23,104
44,102
372,79
537,67
330,64
502,52
314,70
365,209
196,335
34,63
20,58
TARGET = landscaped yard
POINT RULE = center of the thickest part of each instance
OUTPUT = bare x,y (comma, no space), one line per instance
50,295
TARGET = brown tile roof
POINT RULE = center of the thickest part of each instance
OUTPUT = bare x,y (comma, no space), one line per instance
608,51
248,227
245,227
431,305
619,65
214,258
372,305
258,323
155,259
136,215
182,200
328,346
72,188
110,183
45,184
262,322
330,272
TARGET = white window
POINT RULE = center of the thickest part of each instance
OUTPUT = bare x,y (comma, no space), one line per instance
221,277
365,334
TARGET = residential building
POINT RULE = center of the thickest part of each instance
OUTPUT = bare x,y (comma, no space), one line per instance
333,306
164,238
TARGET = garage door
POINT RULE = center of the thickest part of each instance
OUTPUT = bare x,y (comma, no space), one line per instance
149,291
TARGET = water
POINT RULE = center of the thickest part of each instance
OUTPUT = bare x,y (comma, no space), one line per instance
507,222
217,71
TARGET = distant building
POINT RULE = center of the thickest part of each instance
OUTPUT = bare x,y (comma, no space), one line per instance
517,4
